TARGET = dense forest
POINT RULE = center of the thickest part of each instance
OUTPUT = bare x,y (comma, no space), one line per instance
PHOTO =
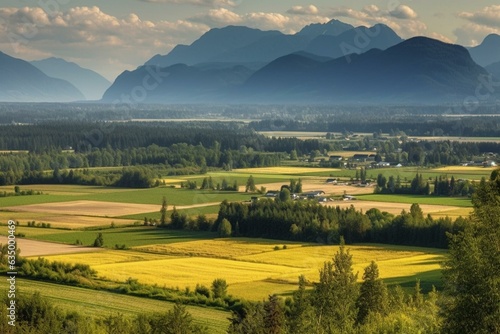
310,221
187,148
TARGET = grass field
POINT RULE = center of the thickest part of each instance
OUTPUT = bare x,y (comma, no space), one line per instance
410,199
249,263
98,304
131,236
284,170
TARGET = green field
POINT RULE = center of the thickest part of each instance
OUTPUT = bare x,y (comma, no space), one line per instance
192,212
410,199
98,304
131,236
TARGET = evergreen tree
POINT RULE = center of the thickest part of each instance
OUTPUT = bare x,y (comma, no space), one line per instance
301,313
373,296
250,185
336,293
163,211
274,318
472,270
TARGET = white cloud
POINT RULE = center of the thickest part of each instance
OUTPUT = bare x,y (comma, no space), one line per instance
206,3
480,24
404,12
267,21
402,19
304,10
488,16
91,37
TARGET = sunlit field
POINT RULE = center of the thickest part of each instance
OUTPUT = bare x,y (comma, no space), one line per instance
246,263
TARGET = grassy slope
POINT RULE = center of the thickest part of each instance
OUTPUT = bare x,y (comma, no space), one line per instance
98,304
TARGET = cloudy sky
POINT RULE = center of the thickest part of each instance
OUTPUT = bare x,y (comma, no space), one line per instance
110,36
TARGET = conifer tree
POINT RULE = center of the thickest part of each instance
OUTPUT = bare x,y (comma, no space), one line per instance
373,297
472,270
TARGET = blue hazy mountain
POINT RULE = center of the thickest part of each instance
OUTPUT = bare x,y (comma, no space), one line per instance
244,46
357,40
22,82
90,83
488,52
211,45
494,69
333,28
419,70
178,83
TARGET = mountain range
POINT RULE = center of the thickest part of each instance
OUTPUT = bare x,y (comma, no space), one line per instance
243,45
90,83
22,82
417,70
331,62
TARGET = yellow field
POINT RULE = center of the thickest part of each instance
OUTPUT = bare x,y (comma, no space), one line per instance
465,169
219,248
253,270
284,170
94,208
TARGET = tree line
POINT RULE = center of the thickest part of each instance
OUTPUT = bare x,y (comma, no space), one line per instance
310,221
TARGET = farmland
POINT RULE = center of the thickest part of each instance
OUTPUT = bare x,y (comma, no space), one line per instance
253,268
248,262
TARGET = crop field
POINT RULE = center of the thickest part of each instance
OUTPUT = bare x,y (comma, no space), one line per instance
98,304
284,170
246,263
38,248
396,208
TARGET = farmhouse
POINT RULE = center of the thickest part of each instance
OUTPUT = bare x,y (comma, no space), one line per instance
364,157
313,194
335,158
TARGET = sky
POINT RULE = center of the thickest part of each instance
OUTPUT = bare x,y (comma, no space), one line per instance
110,36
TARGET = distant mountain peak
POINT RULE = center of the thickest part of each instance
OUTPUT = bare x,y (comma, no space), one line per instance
488,52
333,27
90,83
21,81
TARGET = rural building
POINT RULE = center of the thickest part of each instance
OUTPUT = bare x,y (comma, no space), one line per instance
364,157
335,158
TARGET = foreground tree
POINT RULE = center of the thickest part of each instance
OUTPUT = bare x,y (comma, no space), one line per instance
336,293
373,296
472,270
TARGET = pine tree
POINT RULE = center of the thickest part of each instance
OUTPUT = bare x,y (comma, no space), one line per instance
250,185
301,313
274,318
373,297
336,293
163,211
472,270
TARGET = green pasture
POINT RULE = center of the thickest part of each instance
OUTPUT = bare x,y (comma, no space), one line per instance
191,212
98,304
410,199
129,236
